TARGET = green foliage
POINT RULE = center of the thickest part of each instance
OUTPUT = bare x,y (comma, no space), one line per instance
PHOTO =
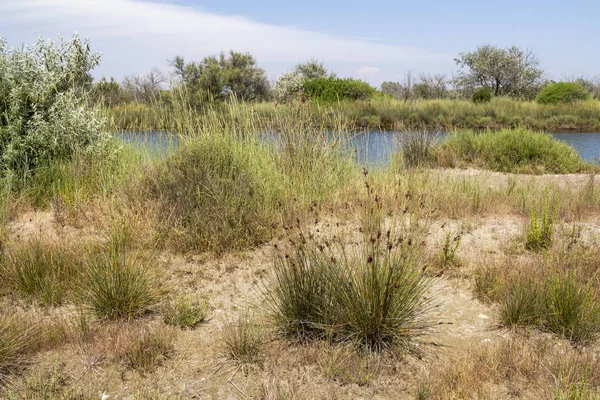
482,95
40,271
212,194
290,85
42,118
332,89
108,93
223,78
185,312
562,92
523,303
509,150
541,228
508,72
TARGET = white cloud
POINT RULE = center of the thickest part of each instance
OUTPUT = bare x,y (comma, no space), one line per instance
368,71
137,34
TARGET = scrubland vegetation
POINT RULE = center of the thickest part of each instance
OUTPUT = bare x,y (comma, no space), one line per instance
257,259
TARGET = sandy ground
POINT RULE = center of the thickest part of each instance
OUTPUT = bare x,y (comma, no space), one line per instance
232,283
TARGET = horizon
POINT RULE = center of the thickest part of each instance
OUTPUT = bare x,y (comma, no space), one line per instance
135,36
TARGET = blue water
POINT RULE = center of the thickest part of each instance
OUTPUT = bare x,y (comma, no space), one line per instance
373,148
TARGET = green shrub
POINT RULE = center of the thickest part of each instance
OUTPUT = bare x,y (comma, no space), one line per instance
332,89
562,92
42,117
213,194
482,95
509,150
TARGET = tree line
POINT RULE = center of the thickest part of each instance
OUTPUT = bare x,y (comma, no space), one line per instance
486,72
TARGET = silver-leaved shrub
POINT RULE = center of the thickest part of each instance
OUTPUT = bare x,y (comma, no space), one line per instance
43,114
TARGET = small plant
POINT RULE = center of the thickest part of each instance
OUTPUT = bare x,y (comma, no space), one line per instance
44,272
120,284
447,257
417,148
242,340
541,228
185,312
482,95
562,92
149,349
573,310
523,304
487,284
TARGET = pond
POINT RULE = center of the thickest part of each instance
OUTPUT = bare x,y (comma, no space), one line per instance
373,148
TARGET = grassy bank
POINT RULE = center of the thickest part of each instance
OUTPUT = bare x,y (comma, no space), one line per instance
241,266
390,114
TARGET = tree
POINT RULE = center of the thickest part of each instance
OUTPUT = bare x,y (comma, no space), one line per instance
145,88
220,78
108,92
290,84
508,72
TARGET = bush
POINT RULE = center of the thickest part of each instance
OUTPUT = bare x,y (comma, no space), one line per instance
213,194
332,89
509,150
562,92
42,118
482,95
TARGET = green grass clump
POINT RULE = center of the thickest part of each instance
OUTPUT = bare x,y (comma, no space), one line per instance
573,310
510,150
541,228
417,149
41,271
372,295
559,303
149,349
185,312
213,194
120,284
563,92
17,338
242,340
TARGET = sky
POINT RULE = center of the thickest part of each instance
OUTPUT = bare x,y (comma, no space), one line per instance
374,40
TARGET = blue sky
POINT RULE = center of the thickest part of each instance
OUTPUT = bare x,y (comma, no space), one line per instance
374,40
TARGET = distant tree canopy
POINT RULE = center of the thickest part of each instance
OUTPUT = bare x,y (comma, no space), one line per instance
332,89
219,78
563,92
108,92
508,72
290,85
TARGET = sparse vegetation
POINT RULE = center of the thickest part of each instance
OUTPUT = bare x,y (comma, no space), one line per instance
242,339
185,312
